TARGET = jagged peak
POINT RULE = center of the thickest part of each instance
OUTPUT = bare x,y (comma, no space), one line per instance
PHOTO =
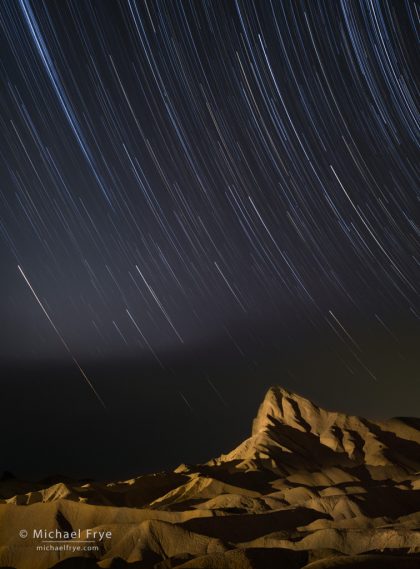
287,407
289,424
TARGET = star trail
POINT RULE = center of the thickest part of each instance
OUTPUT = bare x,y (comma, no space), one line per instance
180,173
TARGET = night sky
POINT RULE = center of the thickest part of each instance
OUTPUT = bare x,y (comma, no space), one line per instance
200,199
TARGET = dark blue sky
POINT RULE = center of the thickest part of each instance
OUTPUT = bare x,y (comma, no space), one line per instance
230,181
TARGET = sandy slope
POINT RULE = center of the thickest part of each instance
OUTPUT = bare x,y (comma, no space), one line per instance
309,489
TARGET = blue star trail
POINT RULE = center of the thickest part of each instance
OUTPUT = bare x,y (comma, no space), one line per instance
175,173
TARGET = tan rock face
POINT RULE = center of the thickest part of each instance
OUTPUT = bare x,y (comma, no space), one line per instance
283,414
309,488
286,407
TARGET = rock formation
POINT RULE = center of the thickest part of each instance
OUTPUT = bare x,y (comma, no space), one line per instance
309,489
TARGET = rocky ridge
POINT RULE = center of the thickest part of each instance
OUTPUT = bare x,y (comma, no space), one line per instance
310,488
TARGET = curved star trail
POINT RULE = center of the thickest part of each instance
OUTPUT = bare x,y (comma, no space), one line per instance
176,171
